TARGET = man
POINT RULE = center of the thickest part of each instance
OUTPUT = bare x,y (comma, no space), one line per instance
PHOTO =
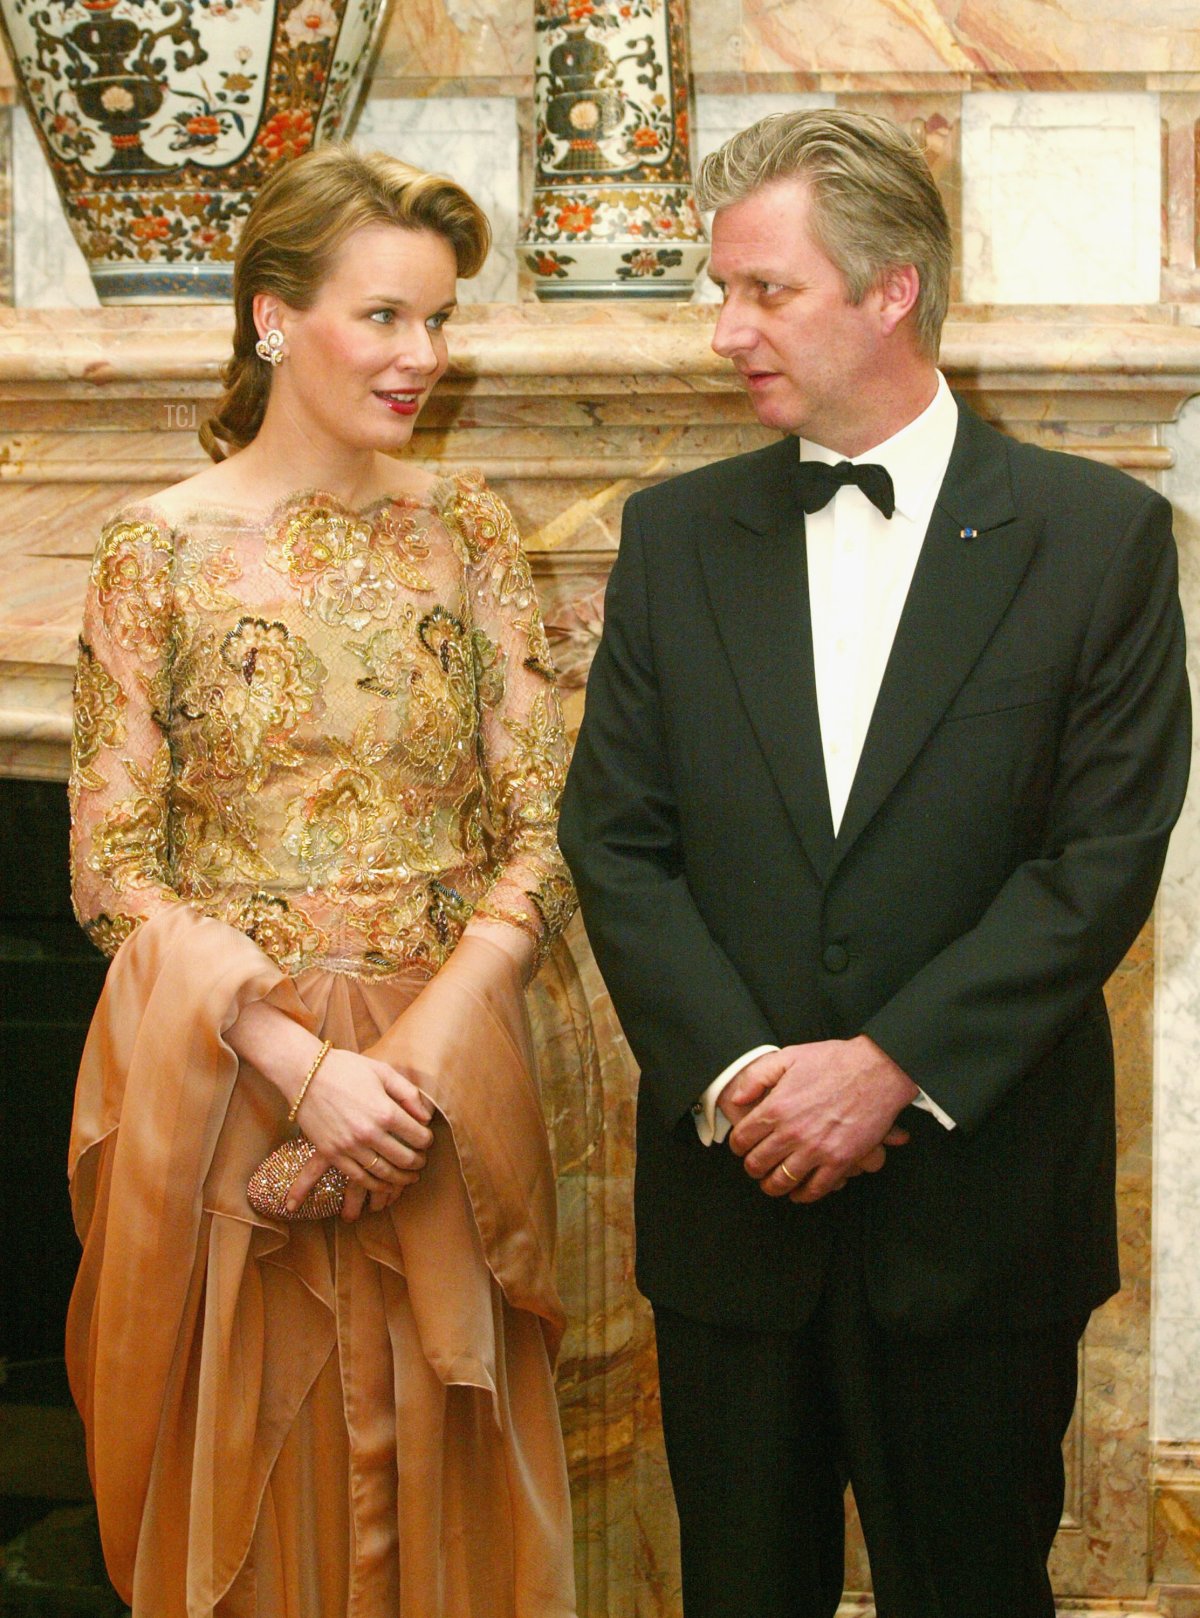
872,795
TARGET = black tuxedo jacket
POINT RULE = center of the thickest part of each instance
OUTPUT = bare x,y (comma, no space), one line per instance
1000,849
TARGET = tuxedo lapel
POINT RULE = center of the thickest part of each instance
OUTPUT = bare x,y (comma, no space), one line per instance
757,581
973,559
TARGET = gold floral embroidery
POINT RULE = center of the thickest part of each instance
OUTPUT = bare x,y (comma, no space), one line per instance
448,911
530,783
327,555
342,794
246,722
389,655
354,830
402,540
512,582
131,578
98,718
478,518
490,536
279,672
426,666
108,933
538,657
280,930
396,932
467,833
204,567
214,838
347,568
490,665
556,900
440,733
129,846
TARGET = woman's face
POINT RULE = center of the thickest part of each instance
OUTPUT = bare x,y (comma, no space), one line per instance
359,364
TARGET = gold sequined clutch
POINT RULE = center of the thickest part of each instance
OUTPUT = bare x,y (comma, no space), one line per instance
272,1180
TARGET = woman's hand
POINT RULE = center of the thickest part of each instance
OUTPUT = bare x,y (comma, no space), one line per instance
363,1116
367,1120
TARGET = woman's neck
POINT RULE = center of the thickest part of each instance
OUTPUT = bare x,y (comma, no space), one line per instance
280,462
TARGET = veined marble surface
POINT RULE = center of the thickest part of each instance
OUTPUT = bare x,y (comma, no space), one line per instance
1177,1035
49,271
929,36
1062,198
458,39
720,116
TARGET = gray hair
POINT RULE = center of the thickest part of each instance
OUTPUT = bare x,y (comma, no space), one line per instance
874,200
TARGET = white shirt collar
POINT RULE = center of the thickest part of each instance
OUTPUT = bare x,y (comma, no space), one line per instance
916,456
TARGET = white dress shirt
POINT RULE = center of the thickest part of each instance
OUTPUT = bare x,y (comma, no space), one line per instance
860,566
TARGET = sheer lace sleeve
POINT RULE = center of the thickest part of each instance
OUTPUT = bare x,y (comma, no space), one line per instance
522,743
120,761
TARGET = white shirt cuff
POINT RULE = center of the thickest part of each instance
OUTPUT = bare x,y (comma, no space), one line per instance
928,1104
713,1126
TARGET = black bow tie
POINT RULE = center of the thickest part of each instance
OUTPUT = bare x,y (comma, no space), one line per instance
817,483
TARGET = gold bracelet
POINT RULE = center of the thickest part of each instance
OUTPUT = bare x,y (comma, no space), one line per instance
326,1047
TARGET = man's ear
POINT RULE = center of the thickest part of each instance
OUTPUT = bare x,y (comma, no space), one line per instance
898,289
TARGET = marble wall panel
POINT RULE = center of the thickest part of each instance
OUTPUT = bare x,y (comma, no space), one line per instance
6,209
720,116
457,39
1176,1544
1177,1112
473,139
716,36
1181,193
49,271
971,36
1061,198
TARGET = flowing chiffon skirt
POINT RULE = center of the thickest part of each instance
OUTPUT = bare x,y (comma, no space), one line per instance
319,1419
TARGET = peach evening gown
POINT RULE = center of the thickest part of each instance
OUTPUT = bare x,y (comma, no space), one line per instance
307,745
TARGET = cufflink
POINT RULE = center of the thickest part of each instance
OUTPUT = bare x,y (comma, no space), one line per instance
697,1108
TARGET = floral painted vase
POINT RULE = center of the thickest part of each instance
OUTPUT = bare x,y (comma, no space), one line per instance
613,208
162,118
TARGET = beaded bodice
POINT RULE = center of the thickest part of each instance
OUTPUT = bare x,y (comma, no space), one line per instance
336,730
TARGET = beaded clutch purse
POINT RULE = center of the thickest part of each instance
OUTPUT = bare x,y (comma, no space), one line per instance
272,1179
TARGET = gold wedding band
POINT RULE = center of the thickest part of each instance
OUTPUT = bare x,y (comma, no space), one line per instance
372,1163
792,1177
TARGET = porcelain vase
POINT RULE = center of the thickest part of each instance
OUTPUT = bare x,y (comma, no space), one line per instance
613,208
161,119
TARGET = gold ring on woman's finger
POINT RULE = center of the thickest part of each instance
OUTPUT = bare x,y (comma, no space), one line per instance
372,1163
794,1178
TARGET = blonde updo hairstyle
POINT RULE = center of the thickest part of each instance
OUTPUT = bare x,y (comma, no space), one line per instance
289,241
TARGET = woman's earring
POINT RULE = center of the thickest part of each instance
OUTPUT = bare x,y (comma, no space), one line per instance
269,347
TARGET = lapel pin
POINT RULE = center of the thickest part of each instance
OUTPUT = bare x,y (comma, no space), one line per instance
968,533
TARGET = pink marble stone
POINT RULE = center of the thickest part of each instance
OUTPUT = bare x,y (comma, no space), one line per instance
968,36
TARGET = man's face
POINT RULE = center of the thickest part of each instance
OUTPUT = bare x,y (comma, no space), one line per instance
809,358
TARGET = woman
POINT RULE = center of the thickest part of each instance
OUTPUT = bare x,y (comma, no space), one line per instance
317,763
